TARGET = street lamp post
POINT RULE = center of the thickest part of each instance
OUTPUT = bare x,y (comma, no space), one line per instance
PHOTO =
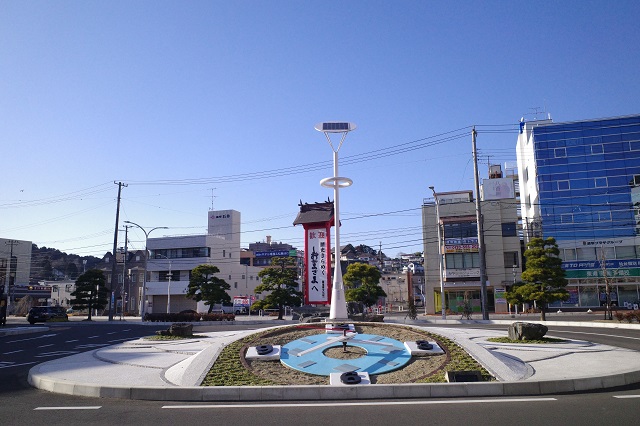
338,309
143,299
440,266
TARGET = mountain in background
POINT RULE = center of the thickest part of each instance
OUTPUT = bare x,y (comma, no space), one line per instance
51,264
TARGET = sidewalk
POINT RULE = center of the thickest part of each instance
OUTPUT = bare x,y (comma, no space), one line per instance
147,370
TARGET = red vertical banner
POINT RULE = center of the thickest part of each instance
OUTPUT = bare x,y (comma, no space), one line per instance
317,258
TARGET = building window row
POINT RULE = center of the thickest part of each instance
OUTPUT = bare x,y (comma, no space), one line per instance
181,253
462,260
597,253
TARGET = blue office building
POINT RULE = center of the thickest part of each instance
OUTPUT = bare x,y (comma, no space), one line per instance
580,184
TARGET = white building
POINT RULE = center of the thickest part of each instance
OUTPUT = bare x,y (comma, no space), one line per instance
171,260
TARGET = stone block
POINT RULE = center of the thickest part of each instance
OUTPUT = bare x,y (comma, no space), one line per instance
527,331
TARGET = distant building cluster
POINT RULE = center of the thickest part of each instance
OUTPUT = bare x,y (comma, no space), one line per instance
578,182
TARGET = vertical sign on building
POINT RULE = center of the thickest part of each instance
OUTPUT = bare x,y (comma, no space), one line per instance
318,266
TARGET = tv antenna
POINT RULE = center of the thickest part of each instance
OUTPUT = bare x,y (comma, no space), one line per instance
213,197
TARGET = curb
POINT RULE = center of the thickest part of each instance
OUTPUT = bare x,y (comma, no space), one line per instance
326,392
314,392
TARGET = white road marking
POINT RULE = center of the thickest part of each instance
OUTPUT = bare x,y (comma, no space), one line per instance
71,341
359,404
626,396
32,338
95,407
12,352
599,334
93,337
91,345
55,353
45,346
11,364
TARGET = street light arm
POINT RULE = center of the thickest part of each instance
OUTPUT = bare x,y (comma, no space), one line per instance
146,263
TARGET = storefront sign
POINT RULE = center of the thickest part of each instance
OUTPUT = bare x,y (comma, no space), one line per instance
274,253
600,273
596,264
461,273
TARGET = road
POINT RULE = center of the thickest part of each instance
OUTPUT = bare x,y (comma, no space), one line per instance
20,403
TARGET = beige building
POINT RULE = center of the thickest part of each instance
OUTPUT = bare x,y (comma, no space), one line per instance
459,249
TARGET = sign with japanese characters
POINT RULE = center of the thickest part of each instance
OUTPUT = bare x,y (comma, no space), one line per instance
317,266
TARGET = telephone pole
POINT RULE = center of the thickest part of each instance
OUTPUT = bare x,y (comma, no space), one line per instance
481,248
12,272
114,271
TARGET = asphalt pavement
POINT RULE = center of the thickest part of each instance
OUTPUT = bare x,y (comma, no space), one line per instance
173,370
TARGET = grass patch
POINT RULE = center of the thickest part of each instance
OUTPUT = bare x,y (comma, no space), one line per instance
539,341
459,360
162,338
228,369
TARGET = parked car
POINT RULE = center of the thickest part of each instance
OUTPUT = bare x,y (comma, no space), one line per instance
47,313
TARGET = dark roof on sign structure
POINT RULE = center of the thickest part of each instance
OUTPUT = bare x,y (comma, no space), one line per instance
315,213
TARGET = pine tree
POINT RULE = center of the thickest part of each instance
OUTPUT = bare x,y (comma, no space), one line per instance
280,281
205,286
543,279
90,292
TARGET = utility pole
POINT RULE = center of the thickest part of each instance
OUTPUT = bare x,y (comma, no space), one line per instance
124,272
12,278
114,272
481,248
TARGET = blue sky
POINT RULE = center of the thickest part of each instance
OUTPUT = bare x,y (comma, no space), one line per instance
182,100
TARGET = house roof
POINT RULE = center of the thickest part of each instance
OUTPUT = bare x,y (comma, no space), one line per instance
315,213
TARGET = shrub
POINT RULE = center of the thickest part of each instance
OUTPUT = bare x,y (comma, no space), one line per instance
630,316
218,317
172,317
619,315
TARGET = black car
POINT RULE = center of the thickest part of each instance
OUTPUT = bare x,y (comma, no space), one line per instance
47,313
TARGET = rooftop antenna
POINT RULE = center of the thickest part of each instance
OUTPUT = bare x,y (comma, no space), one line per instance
213,197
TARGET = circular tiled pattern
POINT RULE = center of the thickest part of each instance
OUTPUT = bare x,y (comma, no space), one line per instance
383,354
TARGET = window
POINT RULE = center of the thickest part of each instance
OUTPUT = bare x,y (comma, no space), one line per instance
560,152
224,253
586,253
625,252
460,230
597,149
566,218
509,229
604,216
567,255
462,260
526,174
511,259
164,276
600,182
563,185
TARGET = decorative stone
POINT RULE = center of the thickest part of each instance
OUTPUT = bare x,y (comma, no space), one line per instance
181,329
527,331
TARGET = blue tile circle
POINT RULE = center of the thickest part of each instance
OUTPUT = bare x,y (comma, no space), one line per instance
383,355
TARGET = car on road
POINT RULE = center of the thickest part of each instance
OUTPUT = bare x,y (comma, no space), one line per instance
47,313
